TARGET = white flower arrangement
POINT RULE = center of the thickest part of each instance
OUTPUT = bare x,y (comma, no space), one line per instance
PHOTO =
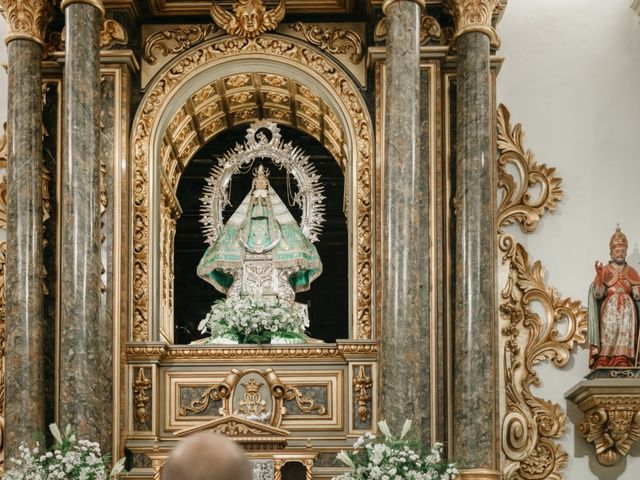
254,318
394,458
68,459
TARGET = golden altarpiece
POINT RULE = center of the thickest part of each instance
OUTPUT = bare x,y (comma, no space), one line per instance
180,84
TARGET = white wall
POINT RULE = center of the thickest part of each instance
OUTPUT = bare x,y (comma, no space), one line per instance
571,77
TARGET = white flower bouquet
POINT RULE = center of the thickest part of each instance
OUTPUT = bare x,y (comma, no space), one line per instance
68,459
254,318
394,458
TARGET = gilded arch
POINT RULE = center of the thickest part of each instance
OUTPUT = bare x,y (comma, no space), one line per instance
157,162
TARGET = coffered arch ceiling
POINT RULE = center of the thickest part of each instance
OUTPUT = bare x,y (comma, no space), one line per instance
244,98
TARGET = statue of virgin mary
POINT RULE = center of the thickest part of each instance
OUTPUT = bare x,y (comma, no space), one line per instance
261,247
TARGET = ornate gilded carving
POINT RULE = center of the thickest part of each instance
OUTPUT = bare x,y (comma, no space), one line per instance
612,429
361,386
611,414
530,423
333,40
4,146
235,429
304,402
27,19
250,18
517,204
474,16
174,40
429,29
149,112
142,401
112,33
199,405
164,352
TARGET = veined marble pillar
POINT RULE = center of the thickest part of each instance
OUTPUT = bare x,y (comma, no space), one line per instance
405,248
81,404
474,323
24,349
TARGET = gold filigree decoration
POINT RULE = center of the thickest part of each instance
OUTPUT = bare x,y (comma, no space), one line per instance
148,114
111,34
531,424
199,405
4,146
517,204
141,400
305,402
613,427
333,40
234,429
429,29
361,386
473,16
27,18
252,402
249,19
174,40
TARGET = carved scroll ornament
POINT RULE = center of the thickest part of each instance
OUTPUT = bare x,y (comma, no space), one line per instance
333,40
27,19
530,424
249,19
613,428
174,40
429,29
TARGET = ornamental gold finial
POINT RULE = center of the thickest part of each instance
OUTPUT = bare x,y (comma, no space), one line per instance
249,19
27,19
475,16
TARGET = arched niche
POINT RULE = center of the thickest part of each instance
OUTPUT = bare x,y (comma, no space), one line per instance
193,296
214,86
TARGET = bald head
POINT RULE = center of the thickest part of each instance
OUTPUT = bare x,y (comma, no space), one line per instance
207,456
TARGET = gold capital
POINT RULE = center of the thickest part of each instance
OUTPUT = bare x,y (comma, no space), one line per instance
27,19
94,3
387,3
474,16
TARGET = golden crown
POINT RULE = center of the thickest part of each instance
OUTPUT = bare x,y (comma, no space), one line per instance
252,386
618,238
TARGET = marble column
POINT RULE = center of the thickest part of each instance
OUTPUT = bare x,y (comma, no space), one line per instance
405,247
24,348
81,404
474,322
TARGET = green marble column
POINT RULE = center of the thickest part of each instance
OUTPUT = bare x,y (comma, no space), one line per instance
81,401
474,441
405,247
24,327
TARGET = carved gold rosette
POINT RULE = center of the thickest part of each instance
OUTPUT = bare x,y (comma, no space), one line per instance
155,102
27,19
474,16
530,423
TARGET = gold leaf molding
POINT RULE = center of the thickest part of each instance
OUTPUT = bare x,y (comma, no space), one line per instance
530,423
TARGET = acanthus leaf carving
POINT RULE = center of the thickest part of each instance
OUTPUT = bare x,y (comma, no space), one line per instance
174,40
142,401
27,18
474,16
531,424
333,40
112,33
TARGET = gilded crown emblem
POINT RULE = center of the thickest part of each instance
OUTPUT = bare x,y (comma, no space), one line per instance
618,238
252,386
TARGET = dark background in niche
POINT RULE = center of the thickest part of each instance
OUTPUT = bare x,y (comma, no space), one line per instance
328,298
